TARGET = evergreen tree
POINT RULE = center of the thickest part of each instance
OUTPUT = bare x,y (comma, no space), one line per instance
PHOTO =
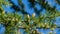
14,21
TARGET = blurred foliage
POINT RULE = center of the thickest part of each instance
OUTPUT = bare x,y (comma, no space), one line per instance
30,23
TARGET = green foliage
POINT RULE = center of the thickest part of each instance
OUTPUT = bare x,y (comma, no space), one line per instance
14,21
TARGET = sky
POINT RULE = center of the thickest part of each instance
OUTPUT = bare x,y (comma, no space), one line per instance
31,11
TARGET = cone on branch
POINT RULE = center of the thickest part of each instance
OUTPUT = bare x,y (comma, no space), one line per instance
33,15
47,25
28,18
3,12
